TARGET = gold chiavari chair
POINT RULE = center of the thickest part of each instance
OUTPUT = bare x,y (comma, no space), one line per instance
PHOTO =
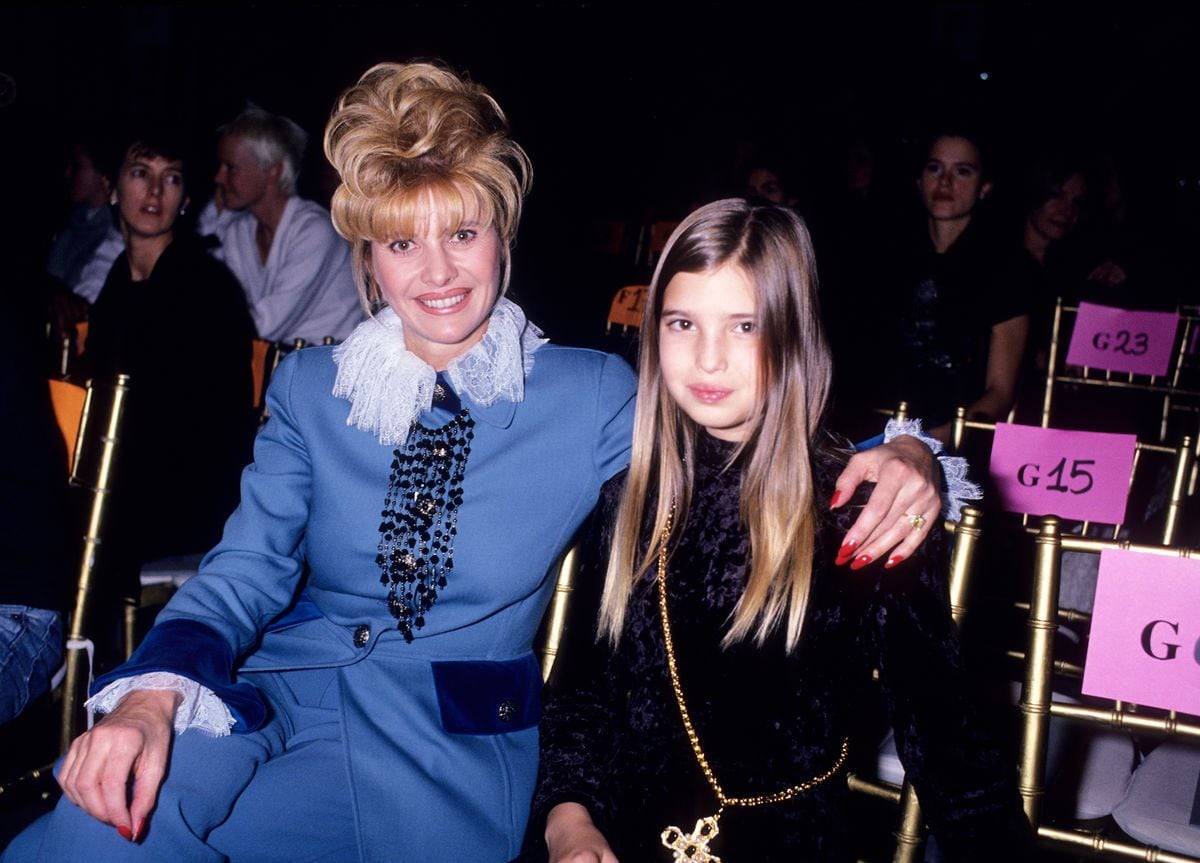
1181,460
909,833
89,420
1038,707
1178,389
93,424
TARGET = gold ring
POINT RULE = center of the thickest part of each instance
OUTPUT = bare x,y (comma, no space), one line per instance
917,521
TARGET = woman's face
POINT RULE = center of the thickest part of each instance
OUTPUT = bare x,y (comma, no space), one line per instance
708,350
951,183
240,180
149,195
443,283
764,183
1059,214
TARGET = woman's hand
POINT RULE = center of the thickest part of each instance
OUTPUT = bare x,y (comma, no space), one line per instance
907,484
573,838
131,743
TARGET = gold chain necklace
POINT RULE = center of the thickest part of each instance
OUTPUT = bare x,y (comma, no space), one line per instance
694,846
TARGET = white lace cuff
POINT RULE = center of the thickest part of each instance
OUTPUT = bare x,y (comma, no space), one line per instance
200,709
959,489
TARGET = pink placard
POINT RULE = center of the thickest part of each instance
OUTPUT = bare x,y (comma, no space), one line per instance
1146,631
1071,474
1122,340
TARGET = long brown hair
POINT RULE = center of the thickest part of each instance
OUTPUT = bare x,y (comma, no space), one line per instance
772,246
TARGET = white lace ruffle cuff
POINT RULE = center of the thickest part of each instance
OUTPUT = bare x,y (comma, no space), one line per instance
200,709
959,489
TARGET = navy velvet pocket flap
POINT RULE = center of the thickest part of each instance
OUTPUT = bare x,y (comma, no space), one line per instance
489,697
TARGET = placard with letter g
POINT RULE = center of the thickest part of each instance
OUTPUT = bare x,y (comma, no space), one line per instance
1145,639
1071,474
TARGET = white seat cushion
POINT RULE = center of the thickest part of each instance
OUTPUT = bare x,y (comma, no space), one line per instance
171,570
1158,804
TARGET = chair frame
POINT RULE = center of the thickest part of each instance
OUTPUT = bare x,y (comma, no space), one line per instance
1037,706
91,468
1168,386
1182,473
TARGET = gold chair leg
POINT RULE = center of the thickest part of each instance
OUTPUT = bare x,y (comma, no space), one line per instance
1039,653
908,836
75,683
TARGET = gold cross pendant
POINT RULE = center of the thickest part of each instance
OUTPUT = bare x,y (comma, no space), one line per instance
692,846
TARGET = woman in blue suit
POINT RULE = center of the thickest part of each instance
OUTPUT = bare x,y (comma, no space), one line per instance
364,628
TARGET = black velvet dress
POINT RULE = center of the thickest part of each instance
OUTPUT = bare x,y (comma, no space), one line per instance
612,738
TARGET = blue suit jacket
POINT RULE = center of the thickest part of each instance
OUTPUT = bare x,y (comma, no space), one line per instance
294,579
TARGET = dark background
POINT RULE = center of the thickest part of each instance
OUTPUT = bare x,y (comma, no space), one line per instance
628,111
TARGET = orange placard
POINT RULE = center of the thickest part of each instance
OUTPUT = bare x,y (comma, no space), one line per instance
626,308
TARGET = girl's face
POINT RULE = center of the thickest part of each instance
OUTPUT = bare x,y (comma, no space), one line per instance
708,350
443,284
149,195
1058,216
951,183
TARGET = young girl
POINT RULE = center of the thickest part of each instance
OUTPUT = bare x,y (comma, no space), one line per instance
707,711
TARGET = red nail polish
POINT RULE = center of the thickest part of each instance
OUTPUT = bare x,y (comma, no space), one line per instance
137,831
125,832
893,560
833,501
861,561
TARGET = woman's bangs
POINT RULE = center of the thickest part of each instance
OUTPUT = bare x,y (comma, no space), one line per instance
437,203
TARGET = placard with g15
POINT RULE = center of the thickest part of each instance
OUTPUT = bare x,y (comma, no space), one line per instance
1071,474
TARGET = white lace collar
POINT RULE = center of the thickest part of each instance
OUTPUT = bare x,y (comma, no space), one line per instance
389,387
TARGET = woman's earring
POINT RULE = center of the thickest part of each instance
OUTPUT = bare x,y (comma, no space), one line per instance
183,210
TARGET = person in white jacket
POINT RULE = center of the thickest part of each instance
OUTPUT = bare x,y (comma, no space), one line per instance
294,269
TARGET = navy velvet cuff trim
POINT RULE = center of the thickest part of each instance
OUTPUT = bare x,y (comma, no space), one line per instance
489,697
197,652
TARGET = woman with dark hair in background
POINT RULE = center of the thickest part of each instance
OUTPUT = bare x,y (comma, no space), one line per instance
175,321
960,319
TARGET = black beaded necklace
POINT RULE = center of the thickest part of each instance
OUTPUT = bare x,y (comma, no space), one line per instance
420,516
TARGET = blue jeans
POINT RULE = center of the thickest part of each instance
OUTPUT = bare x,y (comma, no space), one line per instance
31,651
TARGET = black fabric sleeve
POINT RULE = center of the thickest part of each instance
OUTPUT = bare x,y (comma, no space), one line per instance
965,779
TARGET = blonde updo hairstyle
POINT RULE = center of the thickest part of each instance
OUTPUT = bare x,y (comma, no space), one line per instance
415,143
